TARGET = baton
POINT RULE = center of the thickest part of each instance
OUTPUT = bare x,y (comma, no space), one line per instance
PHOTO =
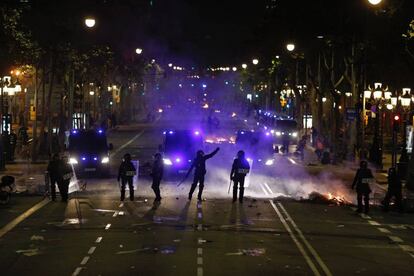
228,192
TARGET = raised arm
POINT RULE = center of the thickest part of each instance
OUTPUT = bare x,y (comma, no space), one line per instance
208,156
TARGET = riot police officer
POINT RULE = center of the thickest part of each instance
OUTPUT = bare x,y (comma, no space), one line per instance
65,174
126,174
53,171
238,173
394,190
199,164
157,173
362,178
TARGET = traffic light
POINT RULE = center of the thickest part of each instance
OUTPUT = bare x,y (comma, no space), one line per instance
396,123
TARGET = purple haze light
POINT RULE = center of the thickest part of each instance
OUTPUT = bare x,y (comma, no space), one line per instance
178,160
83,158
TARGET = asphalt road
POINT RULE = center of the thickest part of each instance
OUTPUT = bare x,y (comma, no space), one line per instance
273,233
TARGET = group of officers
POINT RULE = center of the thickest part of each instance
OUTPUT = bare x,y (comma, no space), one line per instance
239,170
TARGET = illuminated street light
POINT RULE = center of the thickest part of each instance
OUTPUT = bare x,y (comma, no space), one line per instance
90,22
244,66
255,61
170,64
374,2
290,47
138,51
234,69
91,93
406,98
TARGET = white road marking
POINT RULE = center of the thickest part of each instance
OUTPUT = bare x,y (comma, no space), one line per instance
107,226
373,222
267,186
77,271
412,255
115,214
199,260
91,250
121,205
401,227
305,241
292,161
98,240
200,227
199,271
296,241
84,260
383,230
364,216
407,248
395,239
22,217
199,251
264,190
127,143
121,213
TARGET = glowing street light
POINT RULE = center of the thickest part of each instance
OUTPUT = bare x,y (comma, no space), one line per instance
138,51
234,69
90,22
170,64
244,66
374,2
255,61
290,47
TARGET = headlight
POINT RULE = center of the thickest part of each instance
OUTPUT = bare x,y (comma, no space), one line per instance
167,162
295,134
105,160
73,161
269,162
278,133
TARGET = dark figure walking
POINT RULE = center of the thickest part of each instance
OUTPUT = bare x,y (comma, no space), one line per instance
199,164
65,174
394,190
53,171
126,174
157,173
361,181
13,143
238,173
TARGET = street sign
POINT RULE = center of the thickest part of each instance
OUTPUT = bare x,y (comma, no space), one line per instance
351,114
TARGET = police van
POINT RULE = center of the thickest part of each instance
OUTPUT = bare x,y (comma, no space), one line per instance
89,152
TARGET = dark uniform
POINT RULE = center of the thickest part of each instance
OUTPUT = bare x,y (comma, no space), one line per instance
199,164
53,171
126,174
238,173
157,173
394,190
361,181
13,143
65,174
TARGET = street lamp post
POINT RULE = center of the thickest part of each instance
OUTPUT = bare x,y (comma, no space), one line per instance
405,104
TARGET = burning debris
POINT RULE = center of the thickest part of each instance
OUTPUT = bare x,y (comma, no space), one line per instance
328,198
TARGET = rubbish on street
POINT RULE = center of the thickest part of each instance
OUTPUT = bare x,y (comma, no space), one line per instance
29,252
37,238
254,252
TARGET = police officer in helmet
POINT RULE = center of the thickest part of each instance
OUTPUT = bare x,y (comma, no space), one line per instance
126,174
157,173
362,179
238,173
199,164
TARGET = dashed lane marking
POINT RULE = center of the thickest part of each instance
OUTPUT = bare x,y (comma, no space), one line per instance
115,214
199,260
107,226
295,240
85,260
395,239
305,241
264,190
373,222
383,230
268,188
22,217
292,161
199,271
77,271
364,216
91,250
407,248
121,205
199,251
121,213
98,240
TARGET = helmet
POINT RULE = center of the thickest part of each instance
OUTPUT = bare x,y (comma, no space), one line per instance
240,154
200,153
127,157
157,155
363,164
